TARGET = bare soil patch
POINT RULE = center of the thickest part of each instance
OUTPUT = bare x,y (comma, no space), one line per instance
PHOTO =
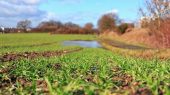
125,82
31,55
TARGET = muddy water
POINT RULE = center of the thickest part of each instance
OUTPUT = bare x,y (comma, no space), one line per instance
90,44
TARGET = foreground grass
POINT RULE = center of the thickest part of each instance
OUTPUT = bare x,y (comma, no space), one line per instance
91,71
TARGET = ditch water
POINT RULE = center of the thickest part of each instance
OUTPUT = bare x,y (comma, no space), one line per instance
90,44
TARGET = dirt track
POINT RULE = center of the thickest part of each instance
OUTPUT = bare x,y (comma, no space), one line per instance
31,55
123,45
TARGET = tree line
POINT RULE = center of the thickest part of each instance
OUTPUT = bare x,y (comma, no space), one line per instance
52,27
56,27
107,22
157,10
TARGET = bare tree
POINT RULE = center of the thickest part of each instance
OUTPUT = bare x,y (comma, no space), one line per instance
156,9
158,12
24,24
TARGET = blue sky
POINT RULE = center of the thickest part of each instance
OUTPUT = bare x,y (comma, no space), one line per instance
76,11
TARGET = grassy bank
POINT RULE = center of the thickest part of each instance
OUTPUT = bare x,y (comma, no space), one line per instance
89,71
120,46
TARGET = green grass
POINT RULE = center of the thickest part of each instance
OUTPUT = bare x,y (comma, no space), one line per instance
90,71
36,41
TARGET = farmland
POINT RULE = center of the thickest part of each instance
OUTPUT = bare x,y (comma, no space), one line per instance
40,64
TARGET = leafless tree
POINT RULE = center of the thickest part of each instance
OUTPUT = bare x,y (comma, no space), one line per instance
158,12
24,24
156,9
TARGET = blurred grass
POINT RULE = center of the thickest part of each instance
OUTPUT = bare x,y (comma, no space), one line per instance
37,41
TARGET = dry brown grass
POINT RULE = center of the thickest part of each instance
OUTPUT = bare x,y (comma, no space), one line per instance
163,54
139,37
134,37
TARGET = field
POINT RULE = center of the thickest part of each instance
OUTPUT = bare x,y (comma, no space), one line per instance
40,64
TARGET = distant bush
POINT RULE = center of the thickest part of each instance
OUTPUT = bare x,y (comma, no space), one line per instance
122,28
107,22
56,27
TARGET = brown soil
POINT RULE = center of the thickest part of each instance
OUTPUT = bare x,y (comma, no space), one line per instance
41,85
57,66
31,55
6,70
125,82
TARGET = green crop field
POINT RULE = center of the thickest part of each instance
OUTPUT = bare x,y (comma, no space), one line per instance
40,64
36,42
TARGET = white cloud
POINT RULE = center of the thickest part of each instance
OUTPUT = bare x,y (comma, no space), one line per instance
8,9
15,10
26,2
12,11
113,11
50,16
70,1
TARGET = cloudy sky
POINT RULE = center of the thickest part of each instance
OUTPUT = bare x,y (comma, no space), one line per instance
76,11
